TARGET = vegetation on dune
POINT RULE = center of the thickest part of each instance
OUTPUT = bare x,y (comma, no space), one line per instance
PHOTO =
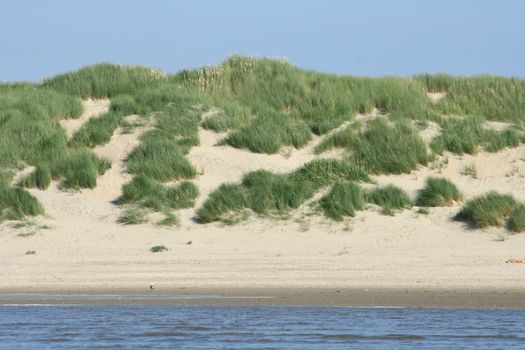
149,193
96,131
493,209
268,132
495,98
438,192
105,80
381,148
466,135
40,178
266,193
226,198
80,170
344,199
389,198
323,172
263,104
16,203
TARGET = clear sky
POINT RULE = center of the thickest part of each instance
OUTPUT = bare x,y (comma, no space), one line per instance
360,37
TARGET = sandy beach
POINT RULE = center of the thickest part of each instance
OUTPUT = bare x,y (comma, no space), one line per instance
409,259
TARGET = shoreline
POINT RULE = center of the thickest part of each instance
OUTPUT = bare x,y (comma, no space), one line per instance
272,296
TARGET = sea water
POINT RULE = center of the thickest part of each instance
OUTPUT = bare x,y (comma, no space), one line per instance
207,327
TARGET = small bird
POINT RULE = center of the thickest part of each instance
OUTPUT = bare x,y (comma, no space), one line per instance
151,286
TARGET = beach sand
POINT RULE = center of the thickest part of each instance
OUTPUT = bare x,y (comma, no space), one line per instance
408,259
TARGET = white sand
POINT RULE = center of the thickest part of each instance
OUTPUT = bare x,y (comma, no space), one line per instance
85,248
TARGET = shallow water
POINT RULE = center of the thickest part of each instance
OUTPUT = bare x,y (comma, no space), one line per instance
205,327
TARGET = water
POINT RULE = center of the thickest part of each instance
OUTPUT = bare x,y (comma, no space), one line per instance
206,327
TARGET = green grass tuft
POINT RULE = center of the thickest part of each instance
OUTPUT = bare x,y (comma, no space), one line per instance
344,199
148,193
268,192
490,209
80,170
438,192
16,203
268,132
324,172
382,148
516,221
132,216
40,178
466,135
105,80
158,249
96,131
226,198
389,197
162,160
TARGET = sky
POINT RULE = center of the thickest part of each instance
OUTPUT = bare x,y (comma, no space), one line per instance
39,39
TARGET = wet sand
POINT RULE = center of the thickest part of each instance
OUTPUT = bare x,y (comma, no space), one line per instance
292,297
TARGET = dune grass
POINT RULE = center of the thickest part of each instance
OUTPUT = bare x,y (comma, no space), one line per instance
491,209
105,80
16,203
265,193
344,199
96,131
79,169
381,148
148,193
390,198
516,221
268,192
263,104
39,178
467,135
225,199
495,98
132,216
268,132
161,160
438,192
324,172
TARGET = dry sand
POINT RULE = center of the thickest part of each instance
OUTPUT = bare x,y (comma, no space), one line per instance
79,247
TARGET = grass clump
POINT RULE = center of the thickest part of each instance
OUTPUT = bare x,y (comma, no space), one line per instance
466,135
389,198
470,170
132,216
268,132
226,198
96,131
162,160
40,178
149,193
80,170
491,209
105,80
516,221
182,195
158,249
382,148
16,203
268,192
495,98
344,199
170,219
323,172
438,192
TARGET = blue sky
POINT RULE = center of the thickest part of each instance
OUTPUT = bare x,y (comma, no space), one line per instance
359,37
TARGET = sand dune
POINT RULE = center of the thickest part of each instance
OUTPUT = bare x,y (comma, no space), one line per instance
79,245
